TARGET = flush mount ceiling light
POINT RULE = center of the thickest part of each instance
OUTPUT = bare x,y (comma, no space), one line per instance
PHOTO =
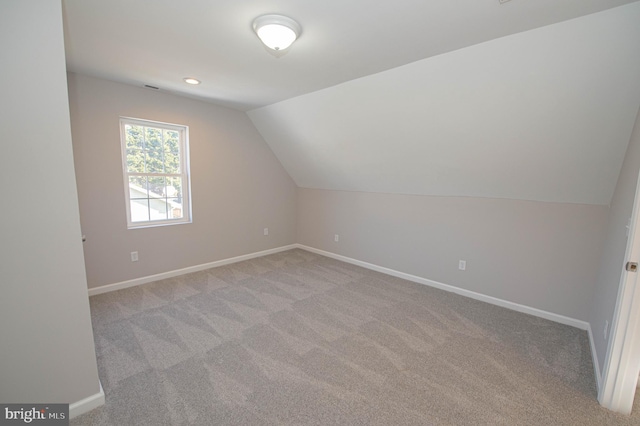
191,80
277,32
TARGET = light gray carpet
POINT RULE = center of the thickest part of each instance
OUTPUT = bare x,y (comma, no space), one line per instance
300,339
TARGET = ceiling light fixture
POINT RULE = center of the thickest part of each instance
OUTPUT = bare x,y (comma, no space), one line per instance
190,80
277,32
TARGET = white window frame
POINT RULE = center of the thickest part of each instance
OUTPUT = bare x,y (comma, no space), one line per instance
183,132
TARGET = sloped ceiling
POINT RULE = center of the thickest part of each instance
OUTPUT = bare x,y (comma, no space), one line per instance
438,97
158,42
544,115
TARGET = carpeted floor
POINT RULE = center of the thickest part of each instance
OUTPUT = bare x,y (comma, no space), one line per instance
299,339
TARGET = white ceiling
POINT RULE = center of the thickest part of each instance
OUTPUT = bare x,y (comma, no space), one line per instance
158,42
464,98
542,115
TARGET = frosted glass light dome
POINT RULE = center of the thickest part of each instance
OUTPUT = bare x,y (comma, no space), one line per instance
277,32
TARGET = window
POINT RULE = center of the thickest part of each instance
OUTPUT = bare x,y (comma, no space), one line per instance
155,159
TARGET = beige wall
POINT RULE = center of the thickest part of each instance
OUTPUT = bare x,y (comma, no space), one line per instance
611,268
46,342
542,255
238,187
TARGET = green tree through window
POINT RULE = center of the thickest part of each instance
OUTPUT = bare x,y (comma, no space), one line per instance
155,160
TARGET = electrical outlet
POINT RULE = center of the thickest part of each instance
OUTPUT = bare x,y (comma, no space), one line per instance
134,256
606,329
266,231
336,238
462,265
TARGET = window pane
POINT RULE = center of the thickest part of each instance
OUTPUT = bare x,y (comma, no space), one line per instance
134,136
153,139
135,161
176,211
171,162
171,151
138,187
139,210
174,187
158,208
155,161
157,186
171,140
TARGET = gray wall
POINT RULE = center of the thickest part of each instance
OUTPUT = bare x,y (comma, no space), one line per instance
46,349
238,187
543,255
611,268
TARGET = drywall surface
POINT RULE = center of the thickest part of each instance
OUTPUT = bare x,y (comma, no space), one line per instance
46,341
611,267
542,255
238,187
542,115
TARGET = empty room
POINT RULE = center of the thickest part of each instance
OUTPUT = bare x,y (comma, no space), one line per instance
315,213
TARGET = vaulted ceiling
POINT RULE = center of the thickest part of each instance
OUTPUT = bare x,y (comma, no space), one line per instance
530,99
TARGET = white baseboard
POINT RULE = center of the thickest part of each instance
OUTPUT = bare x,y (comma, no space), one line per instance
170,274
583,325
594,358
85,405
98,399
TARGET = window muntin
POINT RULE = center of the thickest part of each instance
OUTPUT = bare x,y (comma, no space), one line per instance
156,163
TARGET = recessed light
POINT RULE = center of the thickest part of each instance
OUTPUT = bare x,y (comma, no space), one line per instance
190,80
